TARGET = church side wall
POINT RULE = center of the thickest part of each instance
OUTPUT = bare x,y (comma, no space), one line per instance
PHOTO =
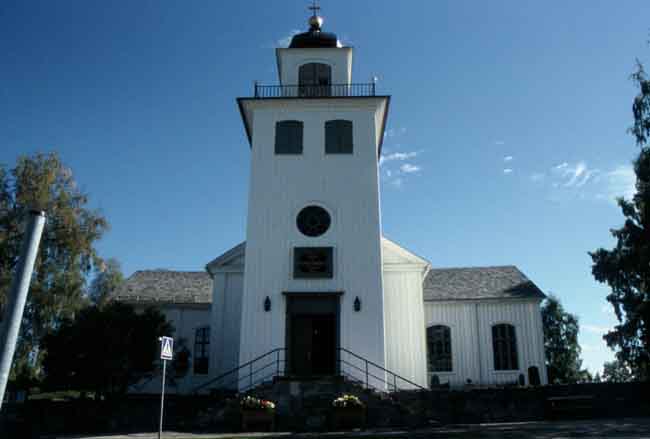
186,319
471,334
526,317
404,320
226,321
461,319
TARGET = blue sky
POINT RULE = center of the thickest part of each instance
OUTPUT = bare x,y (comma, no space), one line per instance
506,140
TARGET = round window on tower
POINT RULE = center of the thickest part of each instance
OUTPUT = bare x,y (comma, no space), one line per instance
313,221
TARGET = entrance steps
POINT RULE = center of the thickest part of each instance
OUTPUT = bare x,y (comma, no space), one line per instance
305,404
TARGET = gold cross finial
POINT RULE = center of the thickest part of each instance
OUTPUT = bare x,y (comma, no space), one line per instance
314,7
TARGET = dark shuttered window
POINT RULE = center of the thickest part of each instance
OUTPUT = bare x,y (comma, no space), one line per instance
439,348
201,350
314,80
338,137
288,137
504,345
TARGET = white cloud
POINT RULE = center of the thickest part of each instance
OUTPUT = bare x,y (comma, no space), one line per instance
397,182
621,182
588,347
397,156
537,176
393,132
575,176
408,168
388,173
499,142
507,171
507,158
597,329
585,182
607,309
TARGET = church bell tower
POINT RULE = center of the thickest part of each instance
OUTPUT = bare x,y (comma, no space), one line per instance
313,263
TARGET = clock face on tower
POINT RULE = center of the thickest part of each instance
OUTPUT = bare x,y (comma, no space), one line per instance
313,221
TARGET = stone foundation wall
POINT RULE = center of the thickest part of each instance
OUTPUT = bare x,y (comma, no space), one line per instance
312,402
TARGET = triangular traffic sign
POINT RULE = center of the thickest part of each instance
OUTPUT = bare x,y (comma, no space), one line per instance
166,352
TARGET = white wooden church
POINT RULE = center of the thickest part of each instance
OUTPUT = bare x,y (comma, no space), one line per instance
315,286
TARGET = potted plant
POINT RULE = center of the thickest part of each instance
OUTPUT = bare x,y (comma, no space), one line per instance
348,412
257,413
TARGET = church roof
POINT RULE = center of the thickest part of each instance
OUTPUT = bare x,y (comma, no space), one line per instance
165,286
473,283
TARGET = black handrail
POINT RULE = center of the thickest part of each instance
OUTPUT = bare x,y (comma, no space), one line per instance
314,91
249,365
368,363
253,370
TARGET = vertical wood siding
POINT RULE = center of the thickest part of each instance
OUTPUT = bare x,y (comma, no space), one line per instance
404,320
345,185
226,322
471,334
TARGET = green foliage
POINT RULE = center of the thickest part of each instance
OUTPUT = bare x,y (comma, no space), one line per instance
626,267
105,349
67,251
107,279
597,378
617,372
561,346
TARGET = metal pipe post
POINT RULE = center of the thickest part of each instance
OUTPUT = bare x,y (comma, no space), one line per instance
10,325
162,398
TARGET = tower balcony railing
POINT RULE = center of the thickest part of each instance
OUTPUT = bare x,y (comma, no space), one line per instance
314,91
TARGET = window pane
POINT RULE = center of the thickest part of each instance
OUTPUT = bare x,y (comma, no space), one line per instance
504,344
439,346
201,350
288,137
338,137
314,79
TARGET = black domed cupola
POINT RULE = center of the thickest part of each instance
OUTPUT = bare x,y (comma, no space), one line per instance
314,37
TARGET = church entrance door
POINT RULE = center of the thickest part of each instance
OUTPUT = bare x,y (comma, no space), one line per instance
312,335
313,345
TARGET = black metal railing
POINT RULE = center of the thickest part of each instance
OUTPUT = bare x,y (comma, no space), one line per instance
353,367
371,375
314,91
250,374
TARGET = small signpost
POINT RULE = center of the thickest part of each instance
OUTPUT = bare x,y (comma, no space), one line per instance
166,353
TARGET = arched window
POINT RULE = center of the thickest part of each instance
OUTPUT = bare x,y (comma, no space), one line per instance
439,348
314,79
288,137
338,137
504,345
201,350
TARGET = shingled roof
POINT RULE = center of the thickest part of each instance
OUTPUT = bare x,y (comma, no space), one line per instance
164,286
474,283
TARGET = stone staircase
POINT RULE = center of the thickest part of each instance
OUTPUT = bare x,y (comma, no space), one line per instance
306,405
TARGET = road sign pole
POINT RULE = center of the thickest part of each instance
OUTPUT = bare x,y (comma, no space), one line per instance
10,325
166,353
162,398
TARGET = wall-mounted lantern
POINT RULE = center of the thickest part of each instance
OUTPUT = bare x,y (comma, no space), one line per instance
357,304
267,304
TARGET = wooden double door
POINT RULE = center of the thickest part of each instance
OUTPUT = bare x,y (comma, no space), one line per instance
312,336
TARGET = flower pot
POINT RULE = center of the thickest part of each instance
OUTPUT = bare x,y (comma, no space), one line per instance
257,420
347,418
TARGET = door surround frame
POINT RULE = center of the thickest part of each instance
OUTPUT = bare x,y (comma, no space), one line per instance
291,297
